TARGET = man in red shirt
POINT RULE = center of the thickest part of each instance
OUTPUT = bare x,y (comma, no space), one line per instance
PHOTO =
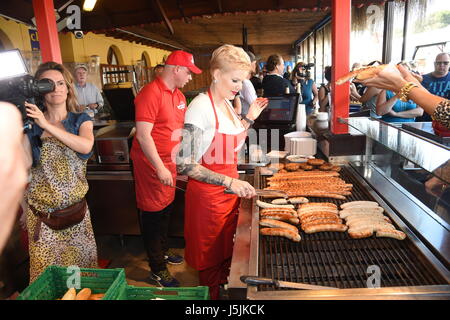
160,108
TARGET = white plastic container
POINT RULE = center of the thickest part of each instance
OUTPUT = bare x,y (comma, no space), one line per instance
303,146
322,116
295,134
300,121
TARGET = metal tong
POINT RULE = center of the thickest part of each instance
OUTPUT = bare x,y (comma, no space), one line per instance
265,193
254,281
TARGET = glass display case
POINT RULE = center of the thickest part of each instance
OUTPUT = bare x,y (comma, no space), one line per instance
412,174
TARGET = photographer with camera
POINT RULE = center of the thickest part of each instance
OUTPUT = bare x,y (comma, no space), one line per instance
58,219
302,76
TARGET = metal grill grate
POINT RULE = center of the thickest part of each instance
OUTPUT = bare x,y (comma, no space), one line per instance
334,259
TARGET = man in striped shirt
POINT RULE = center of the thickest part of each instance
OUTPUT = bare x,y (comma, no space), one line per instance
88,95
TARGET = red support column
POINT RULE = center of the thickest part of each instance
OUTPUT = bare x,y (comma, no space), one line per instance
44,12
340,95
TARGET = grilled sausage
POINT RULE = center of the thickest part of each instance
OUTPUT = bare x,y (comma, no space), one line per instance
318,204
320,216
280,232
366,222
361,73
325,227
306,214
278,210
360,233
305,226
352,204
318,210
374,225
297,200
262,204
346,213
277,224
395,234
367,216
281,217
279,201
316,194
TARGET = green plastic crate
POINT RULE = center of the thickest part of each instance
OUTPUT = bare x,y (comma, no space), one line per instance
149,293
51,284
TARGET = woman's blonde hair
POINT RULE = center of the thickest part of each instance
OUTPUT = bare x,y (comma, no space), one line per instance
228,57
71,102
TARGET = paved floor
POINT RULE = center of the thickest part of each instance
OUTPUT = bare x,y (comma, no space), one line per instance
130,255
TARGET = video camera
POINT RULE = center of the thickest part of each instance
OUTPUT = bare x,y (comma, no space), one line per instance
307,73
18,86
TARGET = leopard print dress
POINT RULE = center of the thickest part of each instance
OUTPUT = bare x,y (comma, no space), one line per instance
442,113
57,182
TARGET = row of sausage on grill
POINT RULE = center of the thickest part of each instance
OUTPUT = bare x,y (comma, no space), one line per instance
361,219
284,217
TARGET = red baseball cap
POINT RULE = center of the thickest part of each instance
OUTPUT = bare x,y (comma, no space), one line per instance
184,59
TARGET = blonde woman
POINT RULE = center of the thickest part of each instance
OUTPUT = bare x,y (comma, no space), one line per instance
212,136
58,220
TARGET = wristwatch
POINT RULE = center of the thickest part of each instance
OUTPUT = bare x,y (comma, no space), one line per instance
248,120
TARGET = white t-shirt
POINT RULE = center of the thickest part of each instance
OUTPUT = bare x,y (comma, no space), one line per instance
201,114
248,95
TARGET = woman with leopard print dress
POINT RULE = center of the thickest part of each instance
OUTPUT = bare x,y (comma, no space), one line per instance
65,138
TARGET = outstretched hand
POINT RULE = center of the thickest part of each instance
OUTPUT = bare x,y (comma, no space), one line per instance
257,107
391,78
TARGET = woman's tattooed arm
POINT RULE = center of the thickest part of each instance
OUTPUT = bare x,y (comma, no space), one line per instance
189,152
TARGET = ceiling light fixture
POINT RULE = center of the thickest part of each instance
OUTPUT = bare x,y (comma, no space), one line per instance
89,5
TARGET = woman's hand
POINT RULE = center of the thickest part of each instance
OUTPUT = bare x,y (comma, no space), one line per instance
257,107
391,78
35,113
242,189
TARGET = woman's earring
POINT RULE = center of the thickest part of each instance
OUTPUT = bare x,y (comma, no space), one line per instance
215,81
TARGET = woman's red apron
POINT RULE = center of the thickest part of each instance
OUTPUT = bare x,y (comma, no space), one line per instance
210,214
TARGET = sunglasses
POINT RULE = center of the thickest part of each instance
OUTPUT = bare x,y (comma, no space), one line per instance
442,62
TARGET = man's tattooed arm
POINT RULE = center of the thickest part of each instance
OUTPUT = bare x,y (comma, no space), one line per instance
189,152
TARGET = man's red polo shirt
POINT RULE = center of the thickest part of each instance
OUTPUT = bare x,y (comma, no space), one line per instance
157,104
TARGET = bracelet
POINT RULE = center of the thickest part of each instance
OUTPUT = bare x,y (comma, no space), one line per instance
405,90
248,120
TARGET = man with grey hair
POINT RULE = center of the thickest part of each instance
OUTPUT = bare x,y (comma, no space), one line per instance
438,81
87,93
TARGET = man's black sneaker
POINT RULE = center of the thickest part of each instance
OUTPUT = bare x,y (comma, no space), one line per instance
172,258
165,279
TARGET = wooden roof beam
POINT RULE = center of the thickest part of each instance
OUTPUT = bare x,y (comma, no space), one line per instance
164,15
180,8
